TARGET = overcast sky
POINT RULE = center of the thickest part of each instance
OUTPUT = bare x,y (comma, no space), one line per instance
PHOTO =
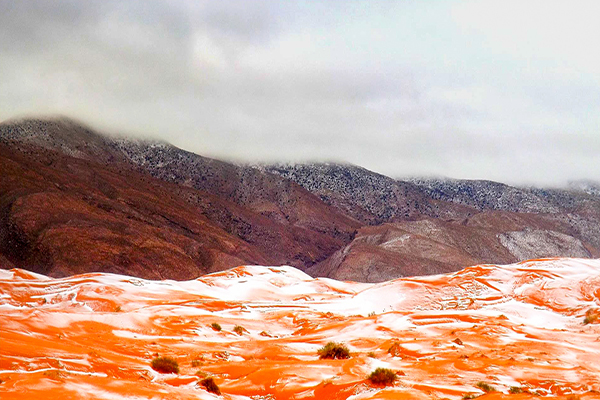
501,90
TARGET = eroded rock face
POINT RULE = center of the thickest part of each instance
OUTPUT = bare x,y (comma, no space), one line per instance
530,244
534,324
269,195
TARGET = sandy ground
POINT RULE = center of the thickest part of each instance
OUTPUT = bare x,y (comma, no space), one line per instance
94,336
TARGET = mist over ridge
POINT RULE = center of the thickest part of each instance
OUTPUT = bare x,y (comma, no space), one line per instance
470,90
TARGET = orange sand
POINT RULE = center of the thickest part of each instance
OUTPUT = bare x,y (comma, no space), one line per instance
95,335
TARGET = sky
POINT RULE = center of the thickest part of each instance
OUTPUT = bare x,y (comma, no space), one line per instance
500,90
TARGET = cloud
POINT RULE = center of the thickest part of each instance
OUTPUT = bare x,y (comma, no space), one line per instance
506,91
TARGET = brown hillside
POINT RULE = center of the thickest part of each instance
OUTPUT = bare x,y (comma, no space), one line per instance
61,215
434,246
73,201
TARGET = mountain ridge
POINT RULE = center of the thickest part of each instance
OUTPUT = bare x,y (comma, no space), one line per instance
337,220
95,170
514,223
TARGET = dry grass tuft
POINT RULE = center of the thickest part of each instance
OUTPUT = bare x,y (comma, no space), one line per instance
333,351
210,385
383,377
165,365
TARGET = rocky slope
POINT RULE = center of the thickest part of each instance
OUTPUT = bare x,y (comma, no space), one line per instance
431,246
446,224
61,215
369,197
278,199
488,195
518,331
73,201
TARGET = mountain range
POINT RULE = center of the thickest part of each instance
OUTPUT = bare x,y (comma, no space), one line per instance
73,200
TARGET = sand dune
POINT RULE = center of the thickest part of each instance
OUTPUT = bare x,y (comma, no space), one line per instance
93,336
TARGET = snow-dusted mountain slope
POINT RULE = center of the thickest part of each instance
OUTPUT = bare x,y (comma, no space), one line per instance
93,336
365,195
429,226
73,200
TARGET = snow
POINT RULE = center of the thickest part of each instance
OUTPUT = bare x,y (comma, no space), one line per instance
531,305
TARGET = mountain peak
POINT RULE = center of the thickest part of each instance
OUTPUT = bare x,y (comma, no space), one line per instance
60,134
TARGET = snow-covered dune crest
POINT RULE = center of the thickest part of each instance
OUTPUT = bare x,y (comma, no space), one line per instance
94,335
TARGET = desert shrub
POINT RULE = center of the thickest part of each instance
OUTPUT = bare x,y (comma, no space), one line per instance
383,376
165,365
202,374
591,316
221,355
485,387
371,354
216,326
515,390
469,396
395,349
196,363
239,330
333,351
54,374
210,385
